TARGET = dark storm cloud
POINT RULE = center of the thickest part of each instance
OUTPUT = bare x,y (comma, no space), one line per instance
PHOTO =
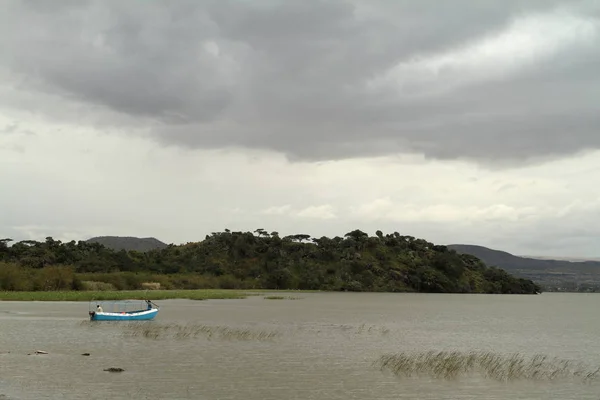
293,76
135,58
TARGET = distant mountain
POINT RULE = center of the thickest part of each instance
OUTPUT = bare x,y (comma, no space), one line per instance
540,270
128,243
509,261
574,259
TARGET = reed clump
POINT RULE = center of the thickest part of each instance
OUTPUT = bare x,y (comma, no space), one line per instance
95,286
452,364
191,331
363,329
150,285
281,298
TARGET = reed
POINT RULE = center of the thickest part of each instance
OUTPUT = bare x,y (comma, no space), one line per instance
201,294
191,331
363,329
281,298
95,286
151,285
451,365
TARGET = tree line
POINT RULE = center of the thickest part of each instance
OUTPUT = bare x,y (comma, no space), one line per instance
257,260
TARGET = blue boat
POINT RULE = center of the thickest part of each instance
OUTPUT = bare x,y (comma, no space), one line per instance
123,310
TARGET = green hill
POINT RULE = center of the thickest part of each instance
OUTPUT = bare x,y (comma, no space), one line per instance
246,260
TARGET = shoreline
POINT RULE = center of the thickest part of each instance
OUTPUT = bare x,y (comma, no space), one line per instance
197,294
169,294
165,294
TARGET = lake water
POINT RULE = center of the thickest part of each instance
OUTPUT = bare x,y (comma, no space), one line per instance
319,346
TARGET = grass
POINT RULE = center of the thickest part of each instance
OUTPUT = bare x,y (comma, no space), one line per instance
203,294
281,298
371,328
190,331
450,365
363,329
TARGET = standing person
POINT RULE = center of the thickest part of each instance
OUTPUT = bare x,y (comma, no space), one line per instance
149,304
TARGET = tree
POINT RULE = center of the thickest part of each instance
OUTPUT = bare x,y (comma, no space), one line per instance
261,232
357,235
356,262
4,249
301,237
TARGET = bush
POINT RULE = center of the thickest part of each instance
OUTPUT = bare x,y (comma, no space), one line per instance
94,286
151,285
13,277
56,277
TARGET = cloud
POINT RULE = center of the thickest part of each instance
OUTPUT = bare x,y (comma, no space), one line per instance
10,128
80,183
386,210
316,80
473,122
322,212
525,42
325,211
277,210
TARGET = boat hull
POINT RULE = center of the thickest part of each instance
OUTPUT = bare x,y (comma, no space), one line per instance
143,315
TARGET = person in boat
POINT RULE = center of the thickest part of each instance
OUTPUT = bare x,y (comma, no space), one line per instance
98,308
149,304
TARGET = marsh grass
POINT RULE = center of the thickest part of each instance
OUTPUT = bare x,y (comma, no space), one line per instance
451,365
281,298
95,286
201,294
192,331
363,329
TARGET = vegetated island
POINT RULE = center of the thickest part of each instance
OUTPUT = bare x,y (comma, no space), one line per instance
252,261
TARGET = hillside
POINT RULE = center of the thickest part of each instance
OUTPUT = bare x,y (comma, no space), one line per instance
128,243
260,260
498,258
568,275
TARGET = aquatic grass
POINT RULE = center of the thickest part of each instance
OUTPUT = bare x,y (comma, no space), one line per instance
281,298
452,364
200,294
191,331
363,329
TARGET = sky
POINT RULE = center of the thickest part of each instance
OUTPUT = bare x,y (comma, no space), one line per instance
456,122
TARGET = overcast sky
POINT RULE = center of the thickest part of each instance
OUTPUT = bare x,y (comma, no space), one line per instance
459,122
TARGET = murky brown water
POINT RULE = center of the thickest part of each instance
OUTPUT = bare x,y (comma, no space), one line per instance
324,348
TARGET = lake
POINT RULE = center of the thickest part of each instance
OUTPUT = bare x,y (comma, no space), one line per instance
309,346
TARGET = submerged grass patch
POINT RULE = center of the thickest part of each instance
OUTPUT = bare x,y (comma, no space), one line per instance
450,365
363,329
190,331
281,298
201,294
